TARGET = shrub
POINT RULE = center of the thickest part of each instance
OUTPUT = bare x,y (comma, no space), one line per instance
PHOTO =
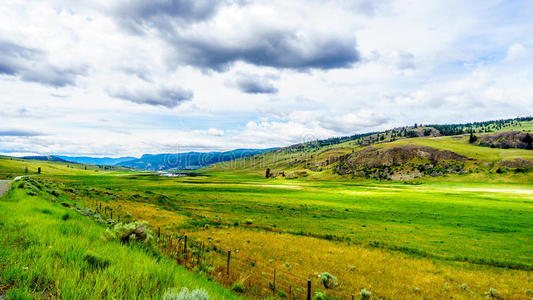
95,260
65,217
365,294
319,295
130,232
248,221
184,294
329,281
492,293
127,218
282,294
238,288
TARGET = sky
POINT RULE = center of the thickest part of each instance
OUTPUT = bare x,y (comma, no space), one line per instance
124,78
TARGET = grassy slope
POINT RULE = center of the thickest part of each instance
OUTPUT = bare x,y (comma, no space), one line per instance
460,145
40,254
483,218
11,167
489,224
479,222
289,161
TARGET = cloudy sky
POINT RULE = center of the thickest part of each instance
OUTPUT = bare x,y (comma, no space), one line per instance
124,77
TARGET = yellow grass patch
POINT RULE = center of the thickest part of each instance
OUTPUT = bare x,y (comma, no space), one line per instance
387,274
155,216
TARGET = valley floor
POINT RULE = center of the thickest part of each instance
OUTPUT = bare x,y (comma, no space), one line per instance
458,236
432,240
48,251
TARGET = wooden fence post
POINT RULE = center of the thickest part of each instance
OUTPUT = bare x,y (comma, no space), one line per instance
308,289
111,214
274,283
185,245
227,266
158,232
199,250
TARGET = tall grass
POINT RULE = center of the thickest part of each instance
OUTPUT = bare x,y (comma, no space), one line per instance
44,254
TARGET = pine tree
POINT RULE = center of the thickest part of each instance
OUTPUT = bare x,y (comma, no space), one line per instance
39,170
267,174
472,138
529,141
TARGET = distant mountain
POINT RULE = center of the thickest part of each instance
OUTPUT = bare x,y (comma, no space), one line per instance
109,161
48,158
187,161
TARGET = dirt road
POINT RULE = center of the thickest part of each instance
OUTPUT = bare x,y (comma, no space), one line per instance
4,186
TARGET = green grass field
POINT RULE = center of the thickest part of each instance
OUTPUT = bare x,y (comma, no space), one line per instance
427,238
42,257
10,167
485,223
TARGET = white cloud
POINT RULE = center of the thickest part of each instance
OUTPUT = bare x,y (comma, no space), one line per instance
516,51
215,132
294,71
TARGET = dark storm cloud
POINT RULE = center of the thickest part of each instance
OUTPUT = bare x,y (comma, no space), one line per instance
13,55
272,47
19,132
163,14
167,97
253,84
32,65
278,49
53,76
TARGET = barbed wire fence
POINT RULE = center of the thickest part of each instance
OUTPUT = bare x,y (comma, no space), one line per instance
257,280
229,269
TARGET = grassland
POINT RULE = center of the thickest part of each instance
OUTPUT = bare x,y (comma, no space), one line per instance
478,230
320,162
10,167
42,250
455,236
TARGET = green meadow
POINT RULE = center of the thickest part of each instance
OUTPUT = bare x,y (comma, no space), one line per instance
456,235
482,223
43,255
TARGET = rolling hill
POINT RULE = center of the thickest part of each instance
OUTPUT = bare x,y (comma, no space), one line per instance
187,161
383,211
110,161
403,153
47,158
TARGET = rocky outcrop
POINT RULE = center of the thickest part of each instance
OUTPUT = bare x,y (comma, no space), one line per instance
504,140
401,162
517,164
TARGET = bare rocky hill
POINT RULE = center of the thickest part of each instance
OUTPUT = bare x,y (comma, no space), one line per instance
506,139
401,162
